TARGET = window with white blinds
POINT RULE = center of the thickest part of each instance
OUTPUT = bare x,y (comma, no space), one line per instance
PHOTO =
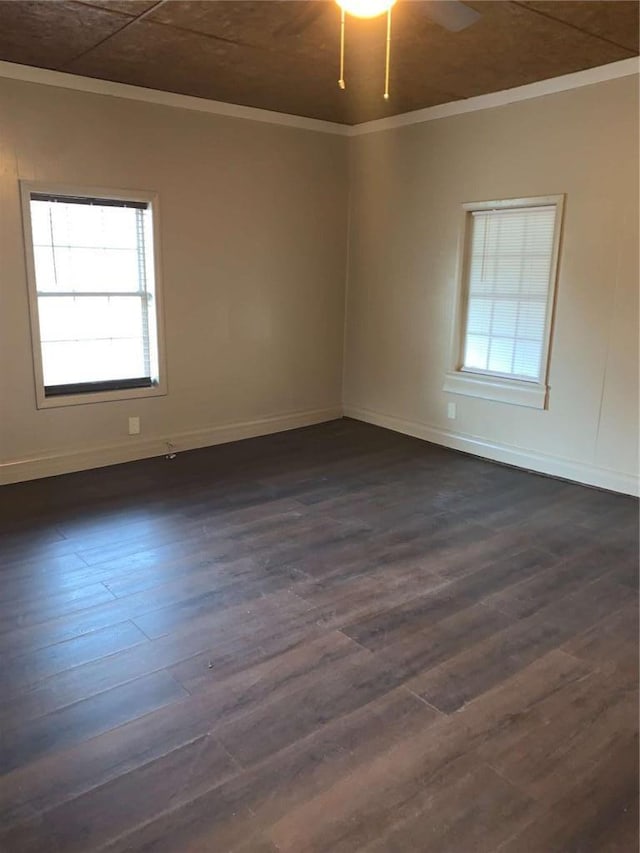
506,296
94,282
509,274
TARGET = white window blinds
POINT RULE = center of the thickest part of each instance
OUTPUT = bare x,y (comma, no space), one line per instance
93,260
507,295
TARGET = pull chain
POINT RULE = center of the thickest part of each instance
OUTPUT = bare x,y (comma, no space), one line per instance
341,82
386,72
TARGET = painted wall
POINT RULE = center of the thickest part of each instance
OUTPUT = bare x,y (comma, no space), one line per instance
254,245
407,186
253,220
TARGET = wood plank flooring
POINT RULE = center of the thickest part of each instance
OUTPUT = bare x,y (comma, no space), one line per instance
335,639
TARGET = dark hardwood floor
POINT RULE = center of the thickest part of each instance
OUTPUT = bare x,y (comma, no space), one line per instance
335,639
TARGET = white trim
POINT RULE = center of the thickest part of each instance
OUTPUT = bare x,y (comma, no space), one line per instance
530,460
490,387
159,388
493,386
515,203
46,77
599,74
50,465
62,80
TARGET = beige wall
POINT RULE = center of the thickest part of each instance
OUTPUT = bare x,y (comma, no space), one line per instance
254,244
253,220
407,186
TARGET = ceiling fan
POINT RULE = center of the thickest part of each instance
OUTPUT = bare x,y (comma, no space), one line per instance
452,15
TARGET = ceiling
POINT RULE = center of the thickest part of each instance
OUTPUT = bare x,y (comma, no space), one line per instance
283,54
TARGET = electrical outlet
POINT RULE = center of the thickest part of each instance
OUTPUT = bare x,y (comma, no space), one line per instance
134,426
451,411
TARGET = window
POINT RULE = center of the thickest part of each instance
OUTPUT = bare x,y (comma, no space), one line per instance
505,304
93,295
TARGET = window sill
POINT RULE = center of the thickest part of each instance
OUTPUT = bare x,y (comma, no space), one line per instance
513,391
98,397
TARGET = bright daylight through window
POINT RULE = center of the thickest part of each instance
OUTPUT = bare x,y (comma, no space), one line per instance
509,269
93,295
506,300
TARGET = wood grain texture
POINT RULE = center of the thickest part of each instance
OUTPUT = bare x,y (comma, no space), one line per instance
334,639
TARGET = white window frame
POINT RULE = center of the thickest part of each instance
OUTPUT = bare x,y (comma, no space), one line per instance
159,388
485,384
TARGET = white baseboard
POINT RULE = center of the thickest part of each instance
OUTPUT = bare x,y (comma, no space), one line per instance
555,466
98,457
33,468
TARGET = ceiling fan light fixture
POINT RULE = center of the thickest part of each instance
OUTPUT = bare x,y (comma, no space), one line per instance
365,8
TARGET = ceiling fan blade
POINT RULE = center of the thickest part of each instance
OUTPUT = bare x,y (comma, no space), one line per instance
451,14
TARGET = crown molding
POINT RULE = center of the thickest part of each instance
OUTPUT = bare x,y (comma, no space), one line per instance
95,86
589,77
599,74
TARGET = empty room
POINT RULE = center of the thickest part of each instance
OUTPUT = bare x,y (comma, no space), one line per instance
319,477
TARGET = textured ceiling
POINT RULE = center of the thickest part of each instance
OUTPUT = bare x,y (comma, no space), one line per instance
284,55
